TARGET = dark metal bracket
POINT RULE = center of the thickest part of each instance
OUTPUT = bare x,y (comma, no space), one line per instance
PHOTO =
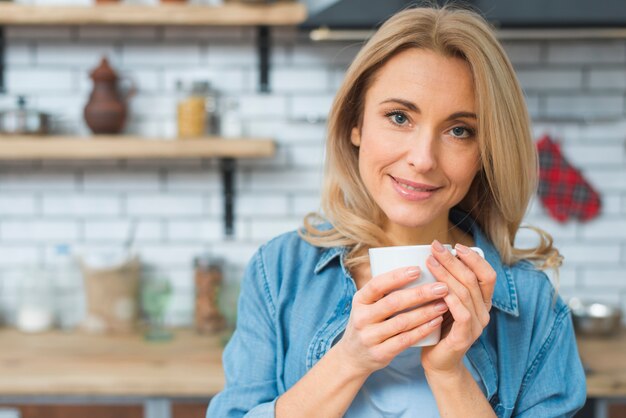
264,43
227,167
2,54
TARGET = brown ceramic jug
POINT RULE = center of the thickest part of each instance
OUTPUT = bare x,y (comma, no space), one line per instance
105,113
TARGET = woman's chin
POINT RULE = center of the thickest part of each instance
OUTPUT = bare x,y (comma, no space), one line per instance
411,221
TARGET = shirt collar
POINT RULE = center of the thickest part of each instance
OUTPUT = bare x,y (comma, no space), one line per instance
505,292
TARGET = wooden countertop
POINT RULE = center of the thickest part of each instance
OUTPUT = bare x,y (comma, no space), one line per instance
75,364
189,365
605,361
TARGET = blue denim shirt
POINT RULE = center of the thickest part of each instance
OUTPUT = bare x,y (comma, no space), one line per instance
296,299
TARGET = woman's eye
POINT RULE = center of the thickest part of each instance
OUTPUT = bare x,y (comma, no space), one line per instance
461,132
397,118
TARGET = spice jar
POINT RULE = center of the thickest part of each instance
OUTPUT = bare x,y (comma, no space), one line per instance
208,281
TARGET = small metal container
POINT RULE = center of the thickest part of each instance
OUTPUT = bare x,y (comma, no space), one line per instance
24,121
595,318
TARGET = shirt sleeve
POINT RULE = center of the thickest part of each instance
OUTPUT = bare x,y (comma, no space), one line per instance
555,384
249,358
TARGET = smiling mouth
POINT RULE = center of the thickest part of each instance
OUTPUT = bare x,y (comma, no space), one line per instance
416,187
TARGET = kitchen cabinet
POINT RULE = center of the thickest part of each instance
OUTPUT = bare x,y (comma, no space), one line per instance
178,410
79,411
605,366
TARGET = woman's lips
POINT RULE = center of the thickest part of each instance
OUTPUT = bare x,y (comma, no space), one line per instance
413,191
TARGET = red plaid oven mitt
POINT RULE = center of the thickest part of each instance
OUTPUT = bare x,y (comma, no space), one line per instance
562,189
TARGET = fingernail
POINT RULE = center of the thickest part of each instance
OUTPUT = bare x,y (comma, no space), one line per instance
441,307
412,272
438,247
440,289
432,261
435,321
462,248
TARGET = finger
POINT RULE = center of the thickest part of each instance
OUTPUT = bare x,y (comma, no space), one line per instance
485,274
384,283
469,293
403,322
462,273
461,334
403,299
404,340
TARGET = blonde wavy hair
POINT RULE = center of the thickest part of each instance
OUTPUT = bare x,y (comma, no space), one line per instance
500,193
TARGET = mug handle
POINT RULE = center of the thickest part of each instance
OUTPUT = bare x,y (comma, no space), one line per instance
475,249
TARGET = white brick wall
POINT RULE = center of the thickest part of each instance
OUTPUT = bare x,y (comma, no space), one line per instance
78,56
174,205
116,181
117,231
149,54
575,90
38,231
594,52
33,81
12,204
80,205
585,105
539,79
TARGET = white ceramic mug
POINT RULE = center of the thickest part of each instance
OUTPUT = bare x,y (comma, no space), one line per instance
385,259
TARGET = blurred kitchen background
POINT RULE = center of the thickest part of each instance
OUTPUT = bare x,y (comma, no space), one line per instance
264,82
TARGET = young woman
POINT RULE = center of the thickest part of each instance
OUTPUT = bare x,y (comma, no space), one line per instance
428,143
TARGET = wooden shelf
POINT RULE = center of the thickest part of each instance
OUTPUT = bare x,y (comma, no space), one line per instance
128,147
230,14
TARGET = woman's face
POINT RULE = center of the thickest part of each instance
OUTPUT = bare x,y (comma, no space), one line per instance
418,151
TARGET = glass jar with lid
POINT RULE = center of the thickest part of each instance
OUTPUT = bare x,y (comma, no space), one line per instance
208,282
197,111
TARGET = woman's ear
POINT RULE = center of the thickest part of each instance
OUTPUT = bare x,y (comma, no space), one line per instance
355,136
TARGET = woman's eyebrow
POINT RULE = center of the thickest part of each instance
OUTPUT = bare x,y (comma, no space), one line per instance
405,103
459,115
413,107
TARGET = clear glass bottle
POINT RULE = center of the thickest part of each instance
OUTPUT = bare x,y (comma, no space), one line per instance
231,124
35,308
155,294
68,289
212,106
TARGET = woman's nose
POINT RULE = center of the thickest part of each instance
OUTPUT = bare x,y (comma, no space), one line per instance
421,153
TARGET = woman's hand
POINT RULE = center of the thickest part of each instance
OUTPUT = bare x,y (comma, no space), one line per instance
471,281
374,336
